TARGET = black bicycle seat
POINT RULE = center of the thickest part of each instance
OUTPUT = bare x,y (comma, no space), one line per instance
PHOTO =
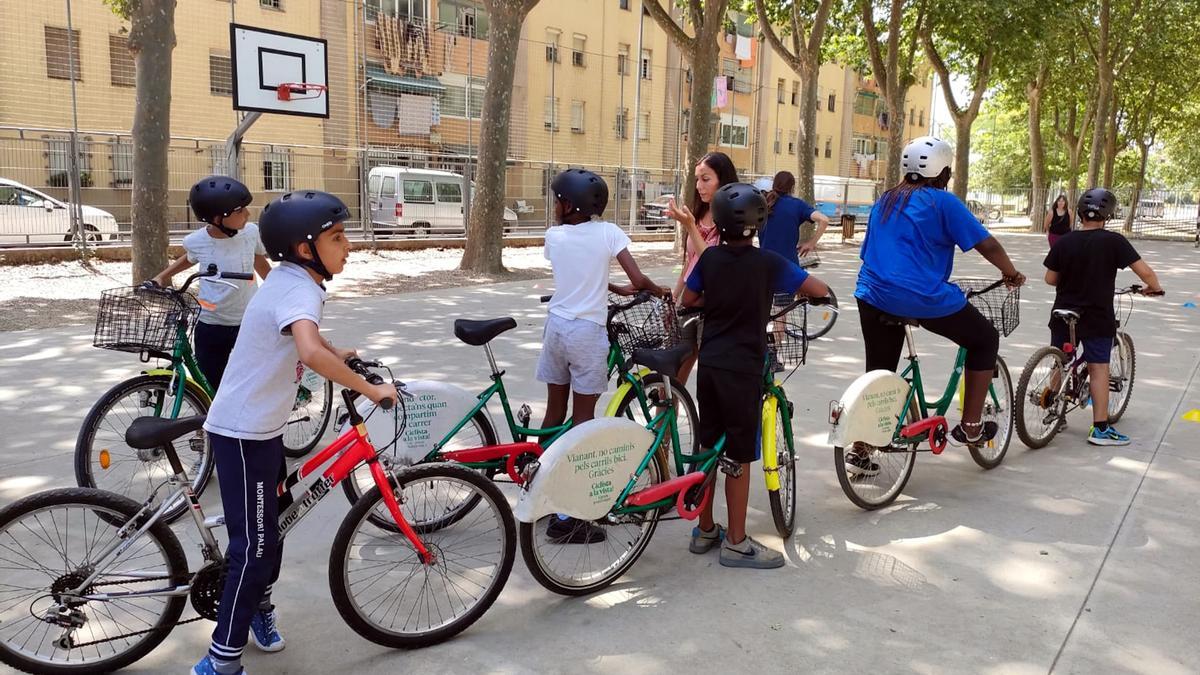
479,333
666,361
893,320
154,432
1066,314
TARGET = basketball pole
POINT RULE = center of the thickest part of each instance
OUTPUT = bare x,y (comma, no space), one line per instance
233,144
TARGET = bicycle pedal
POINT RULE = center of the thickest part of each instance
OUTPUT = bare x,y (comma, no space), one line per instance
212,522
524,414
729,467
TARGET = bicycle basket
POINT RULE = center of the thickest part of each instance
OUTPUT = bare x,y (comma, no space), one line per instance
1000,305
787,344
652,324
139,319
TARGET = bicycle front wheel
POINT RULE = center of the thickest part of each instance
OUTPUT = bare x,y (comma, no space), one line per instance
877,481
48,544
779,458
103,460
388,595
821,318
309,419
1121,370
1041,409
654,385
998,408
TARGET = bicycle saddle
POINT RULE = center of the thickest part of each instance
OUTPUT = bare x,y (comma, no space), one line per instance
479,333
893,320
154,432
1066,314
666,361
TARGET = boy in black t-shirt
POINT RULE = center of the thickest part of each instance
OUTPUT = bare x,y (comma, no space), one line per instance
734,282
1082,266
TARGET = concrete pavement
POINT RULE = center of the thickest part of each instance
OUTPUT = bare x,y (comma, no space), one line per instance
1072,559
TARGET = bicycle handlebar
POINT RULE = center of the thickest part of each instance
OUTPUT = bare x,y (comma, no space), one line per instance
363,368
1138,289
990,287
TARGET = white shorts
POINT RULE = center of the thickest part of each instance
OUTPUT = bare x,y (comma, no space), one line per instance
574,352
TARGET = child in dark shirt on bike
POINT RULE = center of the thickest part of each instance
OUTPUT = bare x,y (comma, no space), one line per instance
734,282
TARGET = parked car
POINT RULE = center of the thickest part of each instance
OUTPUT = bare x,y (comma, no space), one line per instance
986,213
30,216
419,202
653,214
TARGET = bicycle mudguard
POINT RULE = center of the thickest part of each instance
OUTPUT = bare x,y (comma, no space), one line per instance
433,411
615,401
195,386
583,472
869,410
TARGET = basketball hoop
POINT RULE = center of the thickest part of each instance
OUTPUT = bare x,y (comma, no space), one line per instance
289,91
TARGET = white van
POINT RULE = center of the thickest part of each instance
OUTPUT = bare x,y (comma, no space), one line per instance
29,216
419,202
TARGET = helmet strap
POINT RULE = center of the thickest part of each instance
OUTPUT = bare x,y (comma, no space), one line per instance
227,231
315,264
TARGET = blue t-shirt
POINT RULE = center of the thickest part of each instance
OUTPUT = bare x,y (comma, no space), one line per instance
781,233
908,258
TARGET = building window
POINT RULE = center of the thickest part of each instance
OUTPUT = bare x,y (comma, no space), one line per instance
58,161
120,62
466,18
864,104
122,161
625,5
816,149
791,142
881,148
779,87
795,92
220,78
912,116
622,60
577,116
864,145
828,147
645,72
643,126
579,46
459,96
922,120
832,101
778,140
552,46
271,4
550,119
735,131
405,10
622,123
277,171
739,77
62,59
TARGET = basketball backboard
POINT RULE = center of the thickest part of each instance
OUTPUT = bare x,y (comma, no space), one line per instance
263,60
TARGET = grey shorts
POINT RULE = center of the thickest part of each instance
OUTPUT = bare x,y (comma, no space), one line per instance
574,352
691,327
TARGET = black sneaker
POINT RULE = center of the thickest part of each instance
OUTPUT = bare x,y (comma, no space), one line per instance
958,435
858,463
574,531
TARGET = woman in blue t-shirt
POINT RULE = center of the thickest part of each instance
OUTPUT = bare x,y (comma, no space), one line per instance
785,216
907,259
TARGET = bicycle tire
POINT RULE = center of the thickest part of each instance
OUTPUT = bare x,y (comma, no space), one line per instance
340,584
86,463
1117,405
361,477
894,490
1030,435
992,459
783,500
530,533
822,329
298,447
629,408
108,509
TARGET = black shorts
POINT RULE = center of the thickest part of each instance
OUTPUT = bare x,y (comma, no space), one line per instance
967,328
730,404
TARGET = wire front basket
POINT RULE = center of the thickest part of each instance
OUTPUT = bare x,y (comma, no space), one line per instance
139,319
650,324
1000,305
787,341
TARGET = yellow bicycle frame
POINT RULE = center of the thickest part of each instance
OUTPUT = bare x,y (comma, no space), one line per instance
770,457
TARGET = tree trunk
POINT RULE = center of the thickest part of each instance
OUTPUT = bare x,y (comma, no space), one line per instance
152,40
1037,153
895,106
806,167
962,155
485,230
1131,212
704,70
1103,101
1110,147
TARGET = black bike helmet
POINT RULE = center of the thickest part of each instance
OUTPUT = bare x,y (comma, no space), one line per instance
300,217
218,196
738,209
1097,204
585,191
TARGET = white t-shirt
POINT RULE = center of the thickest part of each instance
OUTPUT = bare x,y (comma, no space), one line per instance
580,256
220,304
258,389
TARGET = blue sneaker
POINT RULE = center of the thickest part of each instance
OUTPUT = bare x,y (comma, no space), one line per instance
265,633
1109,436
206,667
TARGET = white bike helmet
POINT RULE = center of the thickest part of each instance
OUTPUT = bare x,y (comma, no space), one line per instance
926,157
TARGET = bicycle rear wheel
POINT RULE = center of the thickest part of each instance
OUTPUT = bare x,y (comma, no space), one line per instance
892,467
580,569
821,318
388,595
48,542
990,454
1039,399
1121,370
103,460
685,415
777,444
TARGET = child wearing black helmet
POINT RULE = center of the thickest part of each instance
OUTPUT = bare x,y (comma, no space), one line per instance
303,231
1082,266
231,243
735,282
574,344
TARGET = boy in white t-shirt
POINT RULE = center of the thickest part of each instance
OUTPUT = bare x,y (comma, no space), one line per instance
303,230
233,245
574,358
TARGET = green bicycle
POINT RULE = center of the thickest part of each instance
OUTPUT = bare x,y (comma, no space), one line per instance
156,322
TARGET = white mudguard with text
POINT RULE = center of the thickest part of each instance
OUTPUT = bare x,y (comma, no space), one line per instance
871,408
432,412
582,473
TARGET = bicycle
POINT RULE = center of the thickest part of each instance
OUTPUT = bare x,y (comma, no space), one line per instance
889,417
156,322
825,315
115,579
579,476
1045,396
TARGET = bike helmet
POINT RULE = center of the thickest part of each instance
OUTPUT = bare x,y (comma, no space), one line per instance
1097,204
218,196
738,209
585,191
300,217
926,157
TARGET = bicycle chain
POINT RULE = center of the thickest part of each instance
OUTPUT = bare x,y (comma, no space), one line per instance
135,633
